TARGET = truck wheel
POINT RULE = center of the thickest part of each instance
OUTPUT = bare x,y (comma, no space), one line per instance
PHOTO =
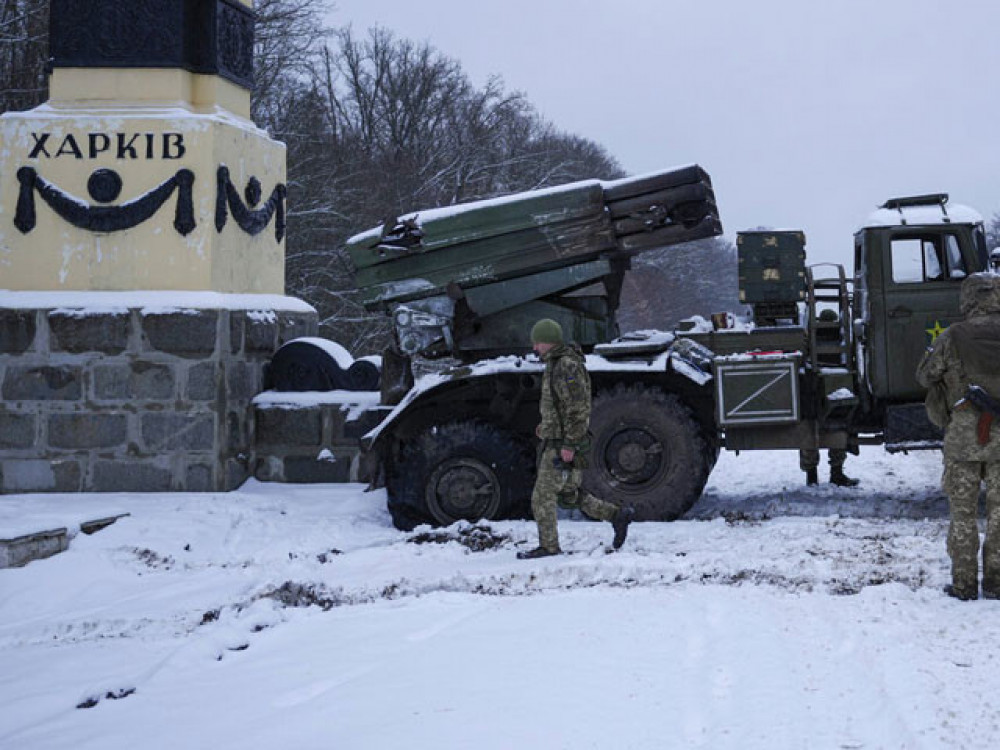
648,452
463,470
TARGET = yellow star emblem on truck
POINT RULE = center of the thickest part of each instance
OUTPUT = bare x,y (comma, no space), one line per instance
936,331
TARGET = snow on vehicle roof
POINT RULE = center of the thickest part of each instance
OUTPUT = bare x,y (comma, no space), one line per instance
375,233
609,184
953,213
430,214
597,363
650,337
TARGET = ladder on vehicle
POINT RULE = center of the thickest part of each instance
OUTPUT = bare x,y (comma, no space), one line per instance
831,342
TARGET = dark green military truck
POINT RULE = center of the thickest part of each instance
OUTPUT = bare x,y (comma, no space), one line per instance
822,360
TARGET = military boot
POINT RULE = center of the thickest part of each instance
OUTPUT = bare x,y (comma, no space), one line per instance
534,554
620,524
839,478
811,477
962,594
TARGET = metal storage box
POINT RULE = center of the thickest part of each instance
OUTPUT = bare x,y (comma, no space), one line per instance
772,266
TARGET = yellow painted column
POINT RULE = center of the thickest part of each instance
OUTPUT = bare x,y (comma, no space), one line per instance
146,174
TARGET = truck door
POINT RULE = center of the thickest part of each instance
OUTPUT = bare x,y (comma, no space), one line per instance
921,300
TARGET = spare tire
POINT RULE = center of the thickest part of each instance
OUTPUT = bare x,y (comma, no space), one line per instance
315,364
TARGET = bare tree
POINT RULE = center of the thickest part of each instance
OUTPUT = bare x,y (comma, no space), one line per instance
395,126
24,47
668,285
287,37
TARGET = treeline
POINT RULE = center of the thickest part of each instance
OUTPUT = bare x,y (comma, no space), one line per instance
666,286
377,125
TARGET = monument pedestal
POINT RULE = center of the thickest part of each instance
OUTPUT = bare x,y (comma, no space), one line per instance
142,225
132,392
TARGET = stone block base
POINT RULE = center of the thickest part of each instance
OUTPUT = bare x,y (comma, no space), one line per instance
303,441
119,396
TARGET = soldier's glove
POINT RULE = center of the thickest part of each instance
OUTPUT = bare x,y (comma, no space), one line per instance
579,462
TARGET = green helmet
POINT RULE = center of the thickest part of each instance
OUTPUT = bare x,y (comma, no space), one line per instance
828,316
546,331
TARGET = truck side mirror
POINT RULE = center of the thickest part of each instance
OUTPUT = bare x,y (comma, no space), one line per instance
859,330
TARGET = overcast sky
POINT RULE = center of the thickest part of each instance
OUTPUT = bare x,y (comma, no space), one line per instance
807,113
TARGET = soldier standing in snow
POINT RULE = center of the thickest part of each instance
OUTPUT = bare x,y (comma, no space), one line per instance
809,463
963,377
809,457
565,418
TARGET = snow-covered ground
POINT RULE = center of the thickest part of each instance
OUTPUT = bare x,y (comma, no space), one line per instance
287,616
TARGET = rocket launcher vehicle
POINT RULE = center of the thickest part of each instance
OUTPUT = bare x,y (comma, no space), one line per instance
470,280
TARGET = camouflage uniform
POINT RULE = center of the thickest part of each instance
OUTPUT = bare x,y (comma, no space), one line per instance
969,353
565,418
809,459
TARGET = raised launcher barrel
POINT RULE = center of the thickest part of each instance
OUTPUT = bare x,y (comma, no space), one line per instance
469,280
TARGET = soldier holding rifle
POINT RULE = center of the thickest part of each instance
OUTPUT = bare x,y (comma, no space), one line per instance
962,375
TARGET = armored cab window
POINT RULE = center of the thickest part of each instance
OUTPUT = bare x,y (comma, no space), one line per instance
907,261
918,259
983,254
953,255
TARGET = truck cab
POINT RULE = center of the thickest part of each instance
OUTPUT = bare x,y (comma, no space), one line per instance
795,380
910,258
